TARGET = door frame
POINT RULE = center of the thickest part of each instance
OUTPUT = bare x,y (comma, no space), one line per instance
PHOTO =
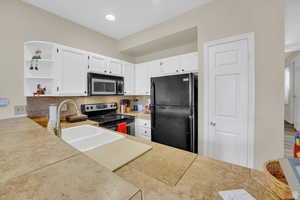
250,37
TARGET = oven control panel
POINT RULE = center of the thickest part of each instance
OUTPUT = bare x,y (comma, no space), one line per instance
98,107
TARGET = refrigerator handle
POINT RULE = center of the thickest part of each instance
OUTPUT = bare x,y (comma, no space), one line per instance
152,93
191,126
152,106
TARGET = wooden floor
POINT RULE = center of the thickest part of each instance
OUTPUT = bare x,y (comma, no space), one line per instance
289,134
289,129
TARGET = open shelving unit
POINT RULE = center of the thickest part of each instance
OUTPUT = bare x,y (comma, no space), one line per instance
39,71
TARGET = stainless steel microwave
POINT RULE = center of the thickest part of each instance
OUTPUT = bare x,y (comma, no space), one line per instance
105,85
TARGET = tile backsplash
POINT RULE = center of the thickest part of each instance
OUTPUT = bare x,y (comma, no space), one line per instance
143,100
38,106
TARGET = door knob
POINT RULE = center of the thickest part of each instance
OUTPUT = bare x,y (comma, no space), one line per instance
213,123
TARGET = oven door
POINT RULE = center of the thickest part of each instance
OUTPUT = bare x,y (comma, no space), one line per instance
130,128
103,87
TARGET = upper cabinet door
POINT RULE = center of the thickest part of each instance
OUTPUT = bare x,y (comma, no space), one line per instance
97,64
115,67
154,68
73,67
170,65
142,84
129,79
189,62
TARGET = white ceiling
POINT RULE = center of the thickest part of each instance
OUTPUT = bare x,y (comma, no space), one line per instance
292,22
131,15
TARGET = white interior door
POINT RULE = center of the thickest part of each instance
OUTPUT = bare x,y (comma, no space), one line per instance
228,101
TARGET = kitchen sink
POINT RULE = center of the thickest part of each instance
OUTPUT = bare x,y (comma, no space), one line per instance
86,137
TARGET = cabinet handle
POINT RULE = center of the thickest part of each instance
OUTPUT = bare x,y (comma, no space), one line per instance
182,70
110,72
105,71
176,70
57,88
84,92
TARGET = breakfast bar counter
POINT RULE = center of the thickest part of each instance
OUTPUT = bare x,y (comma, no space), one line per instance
37,165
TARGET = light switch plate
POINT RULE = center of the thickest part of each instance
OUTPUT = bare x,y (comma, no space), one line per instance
20,110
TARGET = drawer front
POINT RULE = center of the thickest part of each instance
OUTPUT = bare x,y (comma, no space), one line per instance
143,123
143,133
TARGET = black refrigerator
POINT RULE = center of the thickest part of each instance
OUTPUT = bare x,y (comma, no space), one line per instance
174,111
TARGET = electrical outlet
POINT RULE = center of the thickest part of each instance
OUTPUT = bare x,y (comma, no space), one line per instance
20,110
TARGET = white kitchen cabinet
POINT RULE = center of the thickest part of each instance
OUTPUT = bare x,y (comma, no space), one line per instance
143,128
143,123
142,79
129,78
105,65
73,64
170,65
115,67
154,68
189,62
97,64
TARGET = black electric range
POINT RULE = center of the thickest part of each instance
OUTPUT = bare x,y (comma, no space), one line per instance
107,117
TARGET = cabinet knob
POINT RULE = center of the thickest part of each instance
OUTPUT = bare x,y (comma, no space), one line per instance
182,70
176,70
105,71
110,72
213,123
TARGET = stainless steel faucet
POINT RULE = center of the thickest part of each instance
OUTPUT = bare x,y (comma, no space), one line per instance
58,124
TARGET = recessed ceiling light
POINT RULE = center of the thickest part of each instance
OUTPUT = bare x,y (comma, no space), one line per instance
110,17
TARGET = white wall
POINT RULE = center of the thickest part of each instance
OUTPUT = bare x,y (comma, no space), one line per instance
187,48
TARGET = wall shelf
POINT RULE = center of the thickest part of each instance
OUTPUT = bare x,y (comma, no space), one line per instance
40,60
40,71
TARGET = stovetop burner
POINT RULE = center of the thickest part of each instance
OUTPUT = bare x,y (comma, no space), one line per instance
109,118
104,113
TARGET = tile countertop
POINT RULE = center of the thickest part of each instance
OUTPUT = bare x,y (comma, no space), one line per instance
37,165
162,173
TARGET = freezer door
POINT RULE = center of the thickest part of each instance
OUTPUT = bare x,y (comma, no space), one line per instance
171,126
172,90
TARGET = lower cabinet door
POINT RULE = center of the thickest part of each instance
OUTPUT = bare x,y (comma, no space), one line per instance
143,132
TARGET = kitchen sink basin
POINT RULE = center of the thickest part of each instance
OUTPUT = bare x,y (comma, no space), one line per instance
86,137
